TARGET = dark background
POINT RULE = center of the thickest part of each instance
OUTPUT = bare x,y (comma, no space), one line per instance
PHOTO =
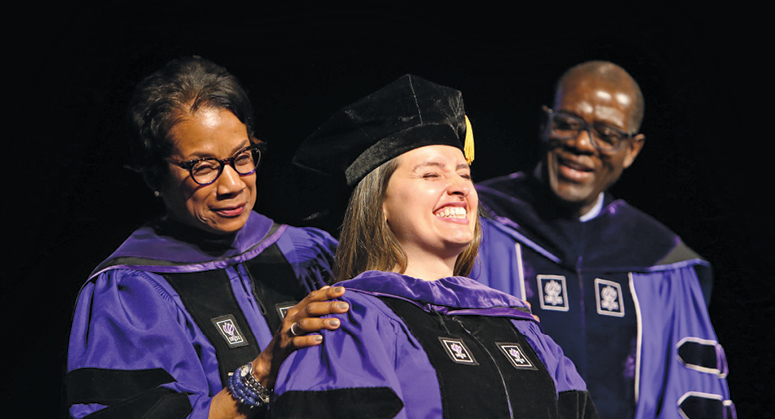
705,171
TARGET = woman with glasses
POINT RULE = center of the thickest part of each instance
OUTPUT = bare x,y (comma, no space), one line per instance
420,340
193,314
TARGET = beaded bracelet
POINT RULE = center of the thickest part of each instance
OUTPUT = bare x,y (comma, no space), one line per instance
244,387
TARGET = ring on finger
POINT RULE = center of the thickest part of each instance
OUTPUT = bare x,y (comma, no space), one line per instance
292,331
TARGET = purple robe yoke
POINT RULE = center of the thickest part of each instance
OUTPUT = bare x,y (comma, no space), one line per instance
160,324
449,348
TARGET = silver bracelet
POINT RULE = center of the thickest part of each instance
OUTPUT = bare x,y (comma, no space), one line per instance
246,389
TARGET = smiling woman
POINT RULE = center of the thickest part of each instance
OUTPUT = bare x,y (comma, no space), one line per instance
418,329
431,207
222,206
194,313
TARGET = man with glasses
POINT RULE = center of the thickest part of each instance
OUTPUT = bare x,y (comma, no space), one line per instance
623,295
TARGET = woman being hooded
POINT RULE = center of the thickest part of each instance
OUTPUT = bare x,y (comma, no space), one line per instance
421,339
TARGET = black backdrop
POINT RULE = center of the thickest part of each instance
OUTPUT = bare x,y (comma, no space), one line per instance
703,171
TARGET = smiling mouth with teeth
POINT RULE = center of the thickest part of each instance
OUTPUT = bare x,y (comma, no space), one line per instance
452,212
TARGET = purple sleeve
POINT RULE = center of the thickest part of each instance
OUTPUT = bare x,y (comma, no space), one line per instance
127,321
674,376
372,350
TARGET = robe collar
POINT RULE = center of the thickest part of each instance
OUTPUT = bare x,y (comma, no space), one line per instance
619,237
164,245
452,295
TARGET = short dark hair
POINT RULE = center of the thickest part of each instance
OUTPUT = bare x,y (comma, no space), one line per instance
179,88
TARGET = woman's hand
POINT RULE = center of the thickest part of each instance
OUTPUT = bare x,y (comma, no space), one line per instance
304,319
298,331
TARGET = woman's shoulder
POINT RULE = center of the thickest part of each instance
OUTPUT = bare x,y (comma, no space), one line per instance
367,308
367,302
125,297
128,281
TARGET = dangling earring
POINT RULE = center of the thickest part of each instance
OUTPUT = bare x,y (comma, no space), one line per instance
157,194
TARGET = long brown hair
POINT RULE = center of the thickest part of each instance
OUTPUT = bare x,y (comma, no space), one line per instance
366,242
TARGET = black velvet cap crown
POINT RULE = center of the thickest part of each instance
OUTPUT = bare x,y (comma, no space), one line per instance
409,113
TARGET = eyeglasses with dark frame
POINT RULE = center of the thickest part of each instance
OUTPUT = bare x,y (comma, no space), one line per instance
207,170
604,137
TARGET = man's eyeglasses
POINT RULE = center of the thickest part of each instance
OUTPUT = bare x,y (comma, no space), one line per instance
206,170
604,137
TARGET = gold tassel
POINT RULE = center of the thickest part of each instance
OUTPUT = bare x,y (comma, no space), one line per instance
468,145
